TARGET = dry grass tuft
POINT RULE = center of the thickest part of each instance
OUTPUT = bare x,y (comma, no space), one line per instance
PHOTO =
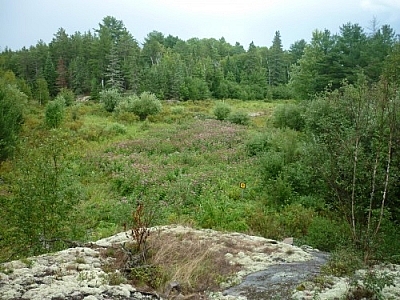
192,262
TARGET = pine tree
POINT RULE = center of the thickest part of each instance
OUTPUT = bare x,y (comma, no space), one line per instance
50,74
276,65
113,74
61,81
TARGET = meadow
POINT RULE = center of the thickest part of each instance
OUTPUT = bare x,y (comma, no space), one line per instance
85,179
183,164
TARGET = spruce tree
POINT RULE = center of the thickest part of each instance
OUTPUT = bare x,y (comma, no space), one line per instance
50,74
113,74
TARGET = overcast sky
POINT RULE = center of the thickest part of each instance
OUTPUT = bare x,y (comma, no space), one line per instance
24,22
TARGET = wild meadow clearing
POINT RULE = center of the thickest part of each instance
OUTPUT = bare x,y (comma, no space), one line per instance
245,166
84,179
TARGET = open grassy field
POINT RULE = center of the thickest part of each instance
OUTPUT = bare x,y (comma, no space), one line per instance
182,164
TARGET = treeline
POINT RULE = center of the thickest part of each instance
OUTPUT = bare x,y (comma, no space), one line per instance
171,68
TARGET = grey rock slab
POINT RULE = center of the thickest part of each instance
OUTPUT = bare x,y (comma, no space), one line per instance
278,280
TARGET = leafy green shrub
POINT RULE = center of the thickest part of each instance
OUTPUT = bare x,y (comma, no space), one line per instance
127,117
147,104
240,118
293,220
115,129
327,235
55,112
266,224
388,242
258,143
220,214
68,95
222,111
286,141
300,177
289,142
288,115
310,201
281,92
271,165
370,285
177,110
279,192
12,102
110,99
45,192
343,261
91,132
296,219
126,104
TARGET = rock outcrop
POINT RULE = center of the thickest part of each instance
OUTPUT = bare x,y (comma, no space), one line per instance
82,273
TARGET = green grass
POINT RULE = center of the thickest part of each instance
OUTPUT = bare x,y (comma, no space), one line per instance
183,165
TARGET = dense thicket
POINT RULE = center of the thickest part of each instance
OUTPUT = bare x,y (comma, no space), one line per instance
12,102
172,68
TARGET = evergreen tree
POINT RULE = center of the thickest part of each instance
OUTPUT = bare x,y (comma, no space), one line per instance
62,75
61,47
50,74
350,51
391,67
113,74
79,75
313,73
42,92
379,46
129,53
296,51
153,49
277,69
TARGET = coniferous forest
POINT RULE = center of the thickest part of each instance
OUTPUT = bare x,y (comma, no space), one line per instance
110,57
313,131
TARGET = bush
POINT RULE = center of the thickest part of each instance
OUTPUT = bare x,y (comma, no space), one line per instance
177,110
389,242
222,111
296,220
257,144
281,92
240,118
293,220
310,201
266,224
221,213
126,104
68,95
147,104
370,285
55,112
299,175
271,165
327,235
110,99
279,191
45,192
115,129
11,110
288,142
288,115
343,261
